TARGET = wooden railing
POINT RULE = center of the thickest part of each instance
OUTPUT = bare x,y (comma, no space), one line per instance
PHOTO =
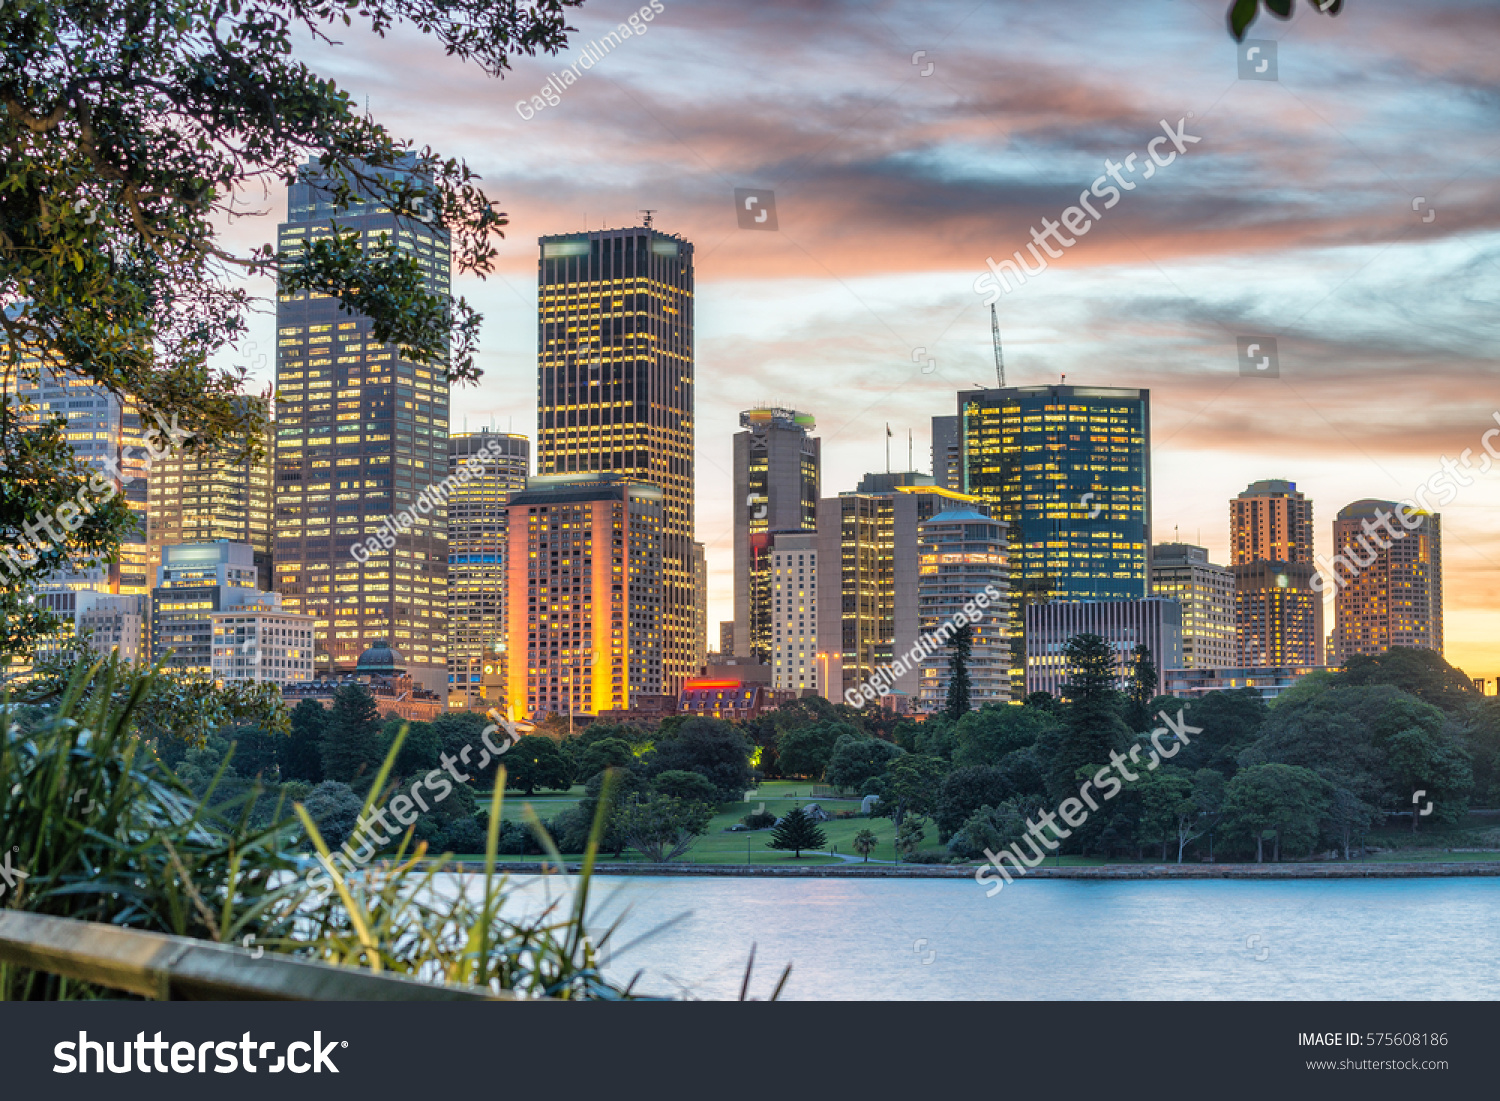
155,965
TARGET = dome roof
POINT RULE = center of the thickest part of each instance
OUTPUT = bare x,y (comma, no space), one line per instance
381,657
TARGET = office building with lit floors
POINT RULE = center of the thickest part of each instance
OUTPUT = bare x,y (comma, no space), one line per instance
1153,622
478,545
948,452
192,583
777,467
960,556
795,660
260,643
1278,616
361,435
867,577
615,391
1206,592
201,498
1067,469
585,595
1387,571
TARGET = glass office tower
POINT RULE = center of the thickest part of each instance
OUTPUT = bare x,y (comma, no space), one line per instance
615,390
361,431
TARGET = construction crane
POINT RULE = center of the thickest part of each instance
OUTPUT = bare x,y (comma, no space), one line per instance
999,357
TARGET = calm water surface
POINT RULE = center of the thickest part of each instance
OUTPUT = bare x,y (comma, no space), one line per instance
1058,939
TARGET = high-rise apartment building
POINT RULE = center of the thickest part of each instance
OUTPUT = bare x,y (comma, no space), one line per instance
868,570
104,431
615,390
1278,617
586,594
1206,592
700,605
777,466
1068,471
361,432
948,452
198,498
794,658
961,554
1389,577
478,545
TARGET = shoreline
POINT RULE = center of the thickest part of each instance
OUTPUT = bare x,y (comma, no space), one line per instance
1391,870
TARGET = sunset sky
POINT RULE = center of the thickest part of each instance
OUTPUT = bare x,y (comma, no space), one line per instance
1300,214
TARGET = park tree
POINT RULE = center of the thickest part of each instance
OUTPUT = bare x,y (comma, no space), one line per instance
1421,673
806,750
300,754
856,758
1349,819
351,740
1288,801
989,828
865,842
713,749
334,808
536,762
1229,722
690,787
133,136
604,753
662,827
1141,690
1167,811
1092,726
986,736
795,832
960,648
912,785
965,790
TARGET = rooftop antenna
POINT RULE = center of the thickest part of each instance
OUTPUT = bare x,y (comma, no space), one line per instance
1064,381
999,356
911,463
648,214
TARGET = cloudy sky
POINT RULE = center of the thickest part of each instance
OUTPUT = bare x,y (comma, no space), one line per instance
1347,209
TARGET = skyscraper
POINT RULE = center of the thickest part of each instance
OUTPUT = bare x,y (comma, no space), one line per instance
1277,615
1206,592
361,431
585,595
615,390
793,561
868,574
777,467
947,453
1068,470
1390,580
195,498
961,553
478,512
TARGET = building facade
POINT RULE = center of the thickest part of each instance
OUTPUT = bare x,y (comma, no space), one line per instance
1183,573
586,593
777,471
961,554
948,452
1067,469
259,643
193,498
615,390
478,546
194,581
793,561
1124,624
1268,682
361,433
1389,580
1278,617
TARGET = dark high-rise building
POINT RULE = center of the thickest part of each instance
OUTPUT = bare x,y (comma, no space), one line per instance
1068,470
1277,615
615,390
478,511
776,478
1389,575
947,453
361,432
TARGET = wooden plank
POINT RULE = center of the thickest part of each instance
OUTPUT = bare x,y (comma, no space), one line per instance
155,965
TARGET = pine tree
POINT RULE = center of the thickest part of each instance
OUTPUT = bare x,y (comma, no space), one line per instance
958,673
351,742
1092,725
301,753
1143,677
795,832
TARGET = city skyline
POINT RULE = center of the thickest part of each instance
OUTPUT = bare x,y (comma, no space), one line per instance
1321,250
